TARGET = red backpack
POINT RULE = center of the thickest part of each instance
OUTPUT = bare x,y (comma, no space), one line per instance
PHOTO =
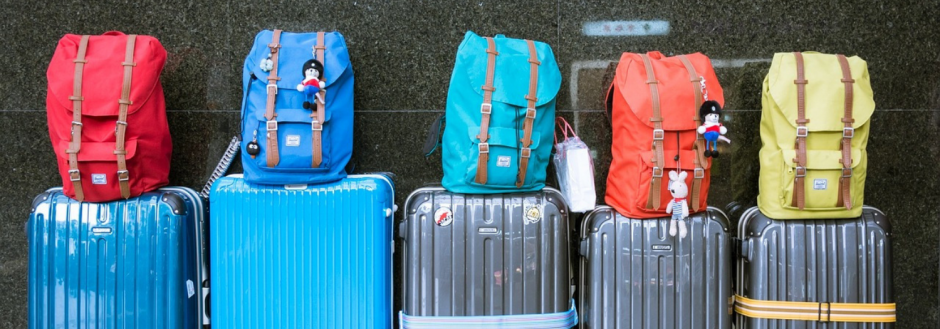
654,107
107,116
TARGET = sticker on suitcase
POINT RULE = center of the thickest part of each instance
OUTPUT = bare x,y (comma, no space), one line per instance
533,215
443,217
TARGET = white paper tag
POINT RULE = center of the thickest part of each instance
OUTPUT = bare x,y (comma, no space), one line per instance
99,179
581,192
503,161
190,289
293,140
820,184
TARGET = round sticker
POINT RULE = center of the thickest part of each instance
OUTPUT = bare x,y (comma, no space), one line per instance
443,217
533,215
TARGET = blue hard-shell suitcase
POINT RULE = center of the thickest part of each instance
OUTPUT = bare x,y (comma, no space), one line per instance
302,256
135,263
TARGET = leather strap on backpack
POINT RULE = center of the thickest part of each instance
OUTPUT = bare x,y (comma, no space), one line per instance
76,137
269,113
485,109
319,116
121,125
529,113
801,134
653,201
699,145
848,132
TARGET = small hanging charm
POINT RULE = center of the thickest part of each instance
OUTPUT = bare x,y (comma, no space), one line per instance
253,149
267,64
312,83
678,206
711,128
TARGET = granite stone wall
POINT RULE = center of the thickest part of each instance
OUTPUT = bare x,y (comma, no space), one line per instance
403,52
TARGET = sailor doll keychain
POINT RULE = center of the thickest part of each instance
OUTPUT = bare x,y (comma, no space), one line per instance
711,128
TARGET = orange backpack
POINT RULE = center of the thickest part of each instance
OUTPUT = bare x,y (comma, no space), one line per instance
654,109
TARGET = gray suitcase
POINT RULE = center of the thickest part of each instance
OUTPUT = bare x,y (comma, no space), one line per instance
472,258
820,262
634,275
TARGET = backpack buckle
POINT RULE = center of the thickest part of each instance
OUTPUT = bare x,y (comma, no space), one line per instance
699,173
272,86
316,126
123,176
802,131
526,152
271,125
486,108
846,172
657,172
530,113
74,175
800,172
848,132
658,134
484,148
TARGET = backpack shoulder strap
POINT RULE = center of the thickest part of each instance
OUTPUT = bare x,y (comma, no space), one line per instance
653,201
485,109
269,112
76,137
529,113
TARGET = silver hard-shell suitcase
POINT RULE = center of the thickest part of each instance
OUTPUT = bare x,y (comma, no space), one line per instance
635,275
824,261
485,255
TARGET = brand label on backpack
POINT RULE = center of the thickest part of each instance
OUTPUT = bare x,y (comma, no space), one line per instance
443,217
99,179
820,184
533,215
503,161
293,140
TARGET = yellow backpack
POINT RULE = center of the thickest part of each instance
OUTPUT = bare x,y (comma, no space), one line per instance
814,129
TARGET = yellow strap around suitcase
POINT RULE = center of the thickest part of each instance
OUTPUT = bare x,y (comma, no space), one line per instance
815,311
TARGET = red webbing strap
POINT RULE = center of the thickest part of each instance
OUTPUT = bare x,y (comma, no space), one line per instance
76,137
653,201
529,112
848,132
319,116
699,145
485,109
269,114
801,133
121,125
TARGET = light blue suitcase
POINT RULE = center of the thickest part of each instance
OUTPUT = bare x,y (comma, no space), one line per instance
135,263
300,256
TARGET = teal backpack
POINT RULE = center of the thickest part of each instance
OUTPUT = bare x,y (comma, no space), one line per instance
498,138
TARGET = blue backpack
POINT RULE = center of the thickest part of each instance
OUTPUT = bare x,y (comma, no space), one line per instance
498,138
297,112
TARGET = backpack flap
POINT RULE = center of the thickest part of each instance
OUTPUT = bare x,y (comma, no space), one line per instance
104,72
297,48
676,94
512,65
825,91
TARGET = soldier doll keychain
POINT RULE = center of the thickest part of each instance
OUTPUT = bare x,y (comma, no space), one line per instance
711,129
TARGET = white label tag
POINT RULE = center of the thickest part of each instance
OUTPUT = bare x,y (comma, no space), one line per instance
190,289
820,184
99,179
293,140
503,161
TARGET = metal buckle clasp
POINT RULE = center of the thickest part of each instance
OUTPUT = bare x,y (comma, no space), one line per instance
123,175
658,134
848,132
699,173
657,172
76,177
484,148
526,152
530,113
272,125
272,86
802,131
486,108
846,172
800,172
